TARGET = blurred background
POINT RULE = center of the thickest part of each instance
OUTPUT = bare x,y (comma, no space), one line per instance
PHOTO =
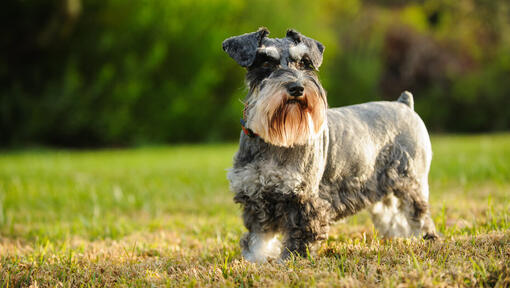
111,73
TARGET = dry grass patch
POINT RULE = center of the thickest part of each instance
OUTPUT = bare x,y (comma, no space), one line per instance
164,217
170,260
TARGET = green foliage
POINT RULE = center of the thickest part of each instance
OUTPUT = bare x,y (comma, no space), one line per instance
93,73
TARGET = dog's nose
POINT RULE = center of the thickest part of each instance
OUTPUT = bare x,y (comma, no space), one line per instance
295,89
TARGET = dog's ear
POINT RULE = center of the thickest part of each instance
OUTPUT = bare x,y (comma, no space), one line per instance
316,49
243,48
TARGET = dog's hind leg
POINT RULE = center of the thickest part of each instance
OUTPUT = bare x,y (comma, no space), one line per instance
414,206
404,211
389,221
427,227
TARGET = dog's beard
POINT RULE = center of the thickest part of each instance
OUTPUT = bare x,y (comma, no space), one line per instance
283,120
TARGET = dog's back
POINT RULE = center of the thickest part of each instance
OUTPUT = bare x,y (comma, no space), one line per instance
385,150
359,132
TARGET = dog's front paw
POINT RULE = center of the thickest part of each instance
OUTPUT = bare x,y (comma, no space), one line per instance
260,247
431,236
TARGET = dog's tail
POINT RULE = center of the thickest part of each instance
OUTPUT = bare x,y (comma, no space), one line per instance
407,98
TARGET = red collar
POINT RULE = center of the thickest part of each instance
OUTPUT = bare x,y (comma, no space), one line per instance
247,130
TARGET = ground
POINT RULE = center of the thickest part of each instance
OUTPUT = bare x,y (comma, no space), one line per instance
163,216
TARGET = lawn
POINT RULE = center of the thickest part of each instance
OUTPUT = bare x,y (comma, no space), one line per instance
163,216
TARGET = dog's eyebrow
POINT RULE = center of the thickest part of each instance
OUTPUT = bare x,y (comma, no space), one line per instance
269,51
298,51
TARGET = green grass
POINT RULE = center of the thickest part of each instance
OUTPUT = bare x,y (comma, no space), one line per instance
164,216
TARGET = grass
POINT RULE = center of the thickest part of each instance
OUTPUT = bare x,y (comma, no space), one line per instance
164,217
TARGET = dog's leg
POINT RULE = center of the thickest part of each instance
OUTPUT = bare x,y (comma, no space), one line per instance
389,221
404,213
306,223
414,205
428,226
260,243
258,247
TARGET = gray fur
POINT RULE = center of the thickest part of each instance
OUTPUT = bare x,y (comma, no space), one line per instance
315,48
407,98
243,48
375,155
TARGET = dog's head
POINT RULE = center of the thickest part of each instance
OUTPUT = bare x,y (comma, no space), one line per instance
286,104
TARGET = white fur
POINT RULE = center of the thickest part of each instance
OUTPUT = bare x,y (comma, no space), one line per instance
298,51
425,188
390,219
270,51
262,246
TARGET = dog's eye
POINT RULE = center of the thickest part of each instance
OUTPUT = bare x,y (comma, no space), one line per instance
267,64
306,64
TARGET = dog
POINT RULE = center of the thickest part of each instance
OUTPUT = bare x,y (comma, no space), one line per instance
301,166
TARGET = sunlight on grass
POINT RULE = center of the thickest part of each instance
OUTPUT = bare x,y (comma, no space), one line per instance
164,215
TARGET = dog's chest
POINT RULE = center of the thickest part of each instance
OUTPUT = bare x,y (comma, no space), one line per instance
263,170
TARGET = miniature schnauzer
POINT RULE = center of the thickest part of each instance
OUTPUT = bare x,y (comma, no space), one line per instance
301,166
